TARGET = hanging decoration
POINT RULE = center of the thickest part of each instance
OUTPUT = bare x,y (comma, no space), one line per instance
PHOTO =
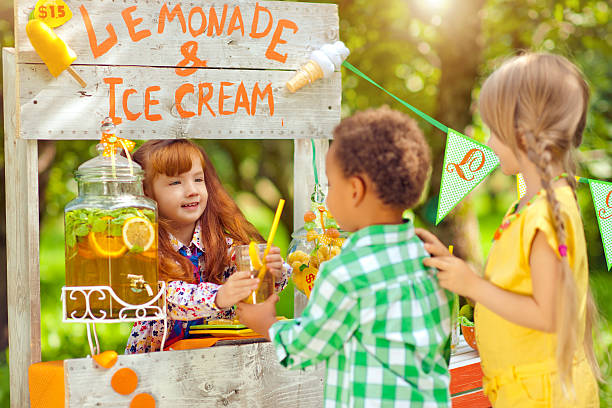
466,164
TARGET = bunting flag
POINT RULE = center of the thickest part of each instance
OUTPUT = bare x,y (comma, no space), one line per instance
521,187
601,191
466,164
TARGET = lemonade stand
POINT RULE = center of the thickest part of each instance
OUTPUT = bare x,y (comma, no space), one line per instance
158,71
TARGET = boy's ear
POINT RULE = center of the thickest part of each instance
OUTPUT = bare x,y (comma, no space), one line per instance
358,189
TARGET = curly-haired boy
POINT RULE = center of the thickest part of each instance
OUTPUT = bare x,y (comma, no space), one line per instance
376,315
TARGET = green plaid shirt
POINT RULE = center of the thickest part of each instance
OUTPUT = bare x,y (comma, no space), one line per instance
379,319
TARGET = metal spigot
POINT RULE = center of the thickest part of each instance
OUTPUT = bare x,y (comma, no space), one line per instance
137,283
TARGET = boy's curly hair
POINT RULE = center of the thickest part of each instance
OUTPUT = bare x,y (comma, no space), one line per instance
389,148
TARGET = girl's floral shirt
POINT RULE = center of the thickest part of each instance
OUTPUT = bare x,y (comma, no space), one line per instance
188,303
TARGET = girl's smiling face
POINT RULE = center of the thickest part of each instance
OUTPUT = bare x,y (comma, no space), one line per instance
182,198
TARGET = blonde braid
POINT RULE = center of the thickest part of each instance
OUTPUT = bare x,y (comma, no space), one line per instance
540,153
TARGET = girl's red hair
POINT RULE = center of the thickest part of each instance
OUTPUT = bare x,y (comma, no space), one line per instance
222,218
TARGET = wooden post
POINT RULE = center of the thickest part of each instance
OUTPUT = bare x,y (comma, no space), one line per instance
303,185
23,282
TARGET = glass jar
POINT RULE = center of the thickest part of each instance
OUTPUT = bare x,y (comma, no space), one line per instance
110,237
308,250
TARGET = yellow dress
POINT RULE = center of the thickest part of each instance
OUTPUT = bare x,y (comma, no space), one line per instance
519,363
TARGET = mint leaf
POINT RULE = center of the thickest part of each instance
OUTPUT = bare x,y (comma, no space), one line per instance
136,249
81,230
99,225
115,230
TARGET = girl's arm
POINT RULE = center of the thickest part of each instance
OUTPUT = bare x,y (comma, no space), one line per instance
188,301
536,311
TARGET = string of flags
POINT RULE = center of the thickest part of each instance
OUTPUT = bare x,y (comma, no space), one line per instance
468,162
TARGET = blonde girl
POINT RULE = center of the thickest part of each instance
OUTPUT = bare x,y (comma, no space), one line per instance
534,312
198,225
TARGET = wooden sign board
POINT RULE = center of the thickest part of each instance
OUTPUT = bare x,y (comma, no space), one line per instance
170,70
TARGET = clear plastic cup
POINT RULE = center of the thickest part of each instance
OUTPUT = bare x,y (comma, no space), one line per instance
243,263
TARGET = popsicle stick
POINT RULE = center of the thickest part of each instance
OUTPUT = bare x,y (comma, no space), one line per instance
76,77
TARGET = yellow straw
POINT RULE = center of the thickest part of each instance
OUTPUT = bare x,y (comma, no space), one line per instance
450,249
279,211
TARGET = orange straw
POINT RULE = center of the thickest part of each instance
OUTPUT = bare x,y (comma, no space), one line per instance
279,211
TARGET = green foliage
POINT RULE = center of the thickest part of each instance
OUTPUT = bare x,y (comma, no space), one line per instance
80,222
398,43
467,311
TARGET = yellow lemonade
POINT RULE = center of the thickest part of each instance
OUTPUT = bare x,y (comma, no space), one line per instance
116,248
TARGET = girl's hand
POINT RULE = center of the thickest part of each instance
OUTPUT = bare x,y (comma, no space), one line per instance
454,273
274,262
237,287
432,244
258,317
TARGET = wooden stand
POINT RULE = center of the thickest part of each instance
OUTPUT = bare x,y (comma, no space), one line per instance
141,82
466,378
224,376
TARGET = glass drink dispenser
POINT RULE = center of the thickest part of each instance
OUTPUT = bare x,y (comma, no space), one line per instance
110,234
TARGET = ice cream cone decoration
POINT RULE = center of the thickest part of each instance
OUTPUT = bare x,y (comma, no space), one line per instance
322,64
54,52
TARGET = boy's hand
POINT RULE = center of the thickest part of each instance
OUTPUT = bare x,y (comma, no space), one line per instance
237,287
258,317
274,262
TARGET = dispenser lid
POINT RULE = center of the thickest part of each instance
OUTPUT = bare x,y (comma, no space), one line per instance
113,165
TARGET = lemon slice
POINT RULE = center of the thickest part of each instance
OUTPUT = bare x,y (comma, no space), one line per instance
138,231
254,255
106,246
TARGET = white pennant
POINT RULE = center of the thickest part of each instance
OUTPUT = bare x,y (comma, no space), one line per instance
601,192
466,163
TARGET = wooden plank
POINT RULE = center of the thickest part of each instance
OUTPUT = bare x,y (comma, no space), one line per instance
303,186
229,376
316,24
59,109
472,400
23,285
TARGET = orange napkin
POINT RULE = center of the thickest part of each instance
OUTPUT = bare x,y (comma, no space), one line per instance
46,384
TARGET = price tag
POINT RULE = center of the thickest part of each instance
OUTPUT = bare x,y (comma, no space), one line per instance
54,13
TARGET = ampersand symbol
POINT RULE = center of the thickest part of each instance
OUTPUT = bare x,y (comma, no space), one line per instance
310,277
189,51
602,211
472,156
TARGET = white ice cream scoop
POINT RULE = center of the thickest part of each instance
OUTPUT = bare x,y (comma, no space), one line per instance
322,64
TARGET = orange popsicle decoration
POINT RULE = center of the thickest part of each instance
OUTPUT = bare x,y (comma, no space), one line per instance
52,50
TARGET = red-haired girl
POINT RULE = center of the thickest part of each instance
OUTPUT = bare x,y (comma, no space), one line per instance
198,225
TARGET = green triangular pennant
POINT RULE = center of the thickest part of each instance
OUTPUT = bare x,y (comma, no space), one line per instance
601,191
466,164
